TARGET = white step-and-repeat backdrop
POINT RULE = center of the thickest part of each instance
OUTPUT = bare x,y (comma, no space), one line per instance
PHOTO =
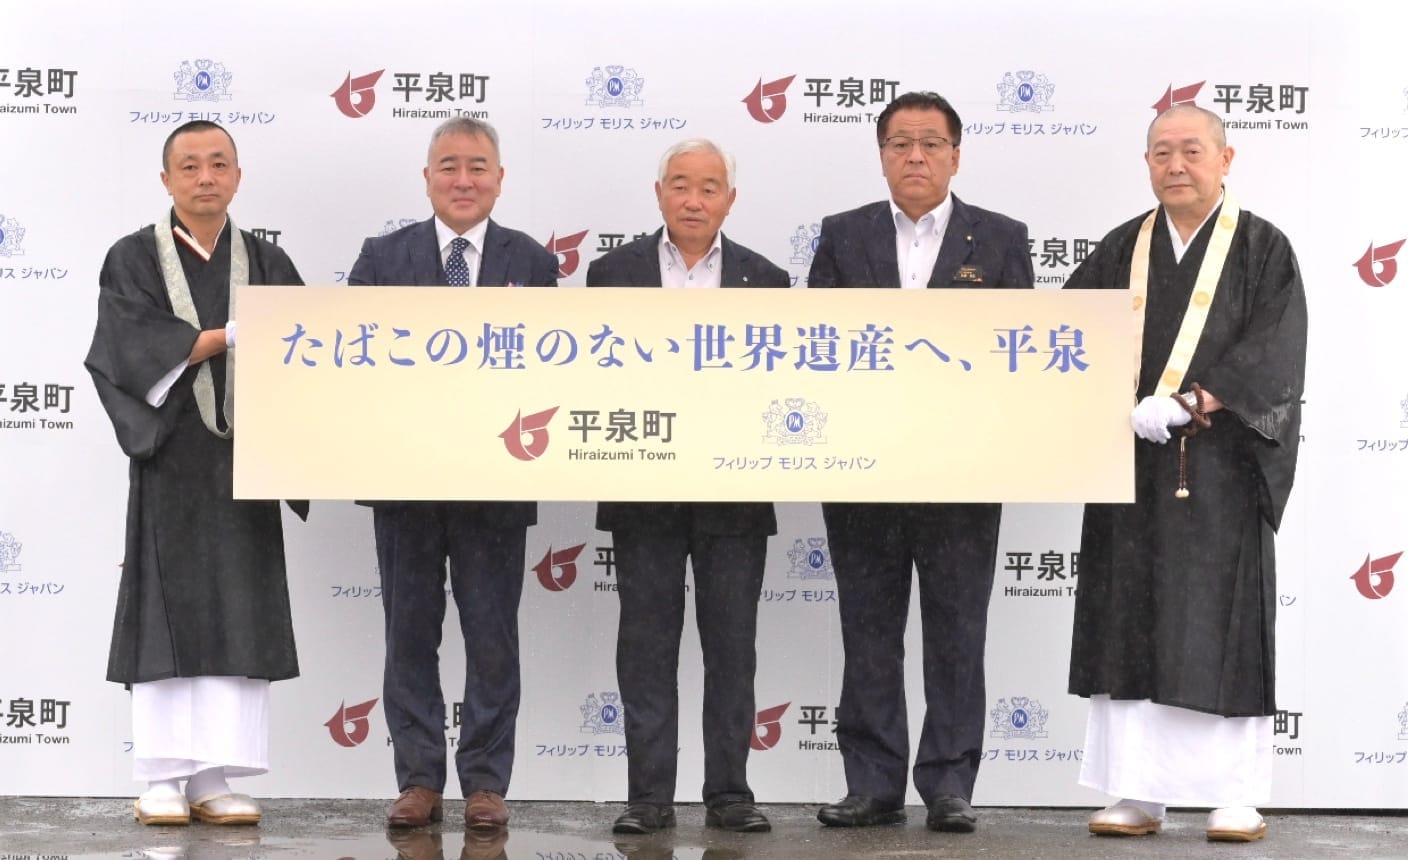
331,106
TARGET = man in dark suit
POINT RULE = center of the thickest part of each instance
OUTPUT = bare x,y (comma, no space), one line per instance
923,237
483,541
727,542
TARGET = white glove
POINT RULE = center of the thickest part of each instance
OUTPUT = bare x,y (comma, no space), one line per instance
1154,415
230,334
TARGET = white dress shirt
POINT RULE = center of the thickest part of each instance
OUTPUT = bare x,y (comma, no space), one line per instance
917,243
472,255
707,272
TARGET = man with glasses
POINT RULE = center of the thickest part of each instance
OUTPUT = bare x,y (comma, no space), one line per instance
923,237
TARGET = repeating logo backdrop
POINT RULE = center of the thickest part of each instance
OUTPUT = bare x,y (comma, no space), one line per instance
332,116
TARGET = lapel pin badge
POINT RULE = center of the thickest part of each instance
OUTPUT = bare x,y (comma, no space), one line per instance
969,274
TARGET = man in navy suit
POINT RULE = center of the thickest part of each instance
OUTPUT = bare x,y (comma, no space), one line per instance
727,542
923,237
483,541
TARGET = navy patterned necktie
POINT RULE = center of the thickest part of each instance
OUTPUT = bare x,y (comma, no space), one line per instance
456,271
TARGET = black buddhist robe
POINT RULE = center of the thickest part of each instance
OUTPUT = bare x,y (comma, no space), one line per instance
203,588
1176,600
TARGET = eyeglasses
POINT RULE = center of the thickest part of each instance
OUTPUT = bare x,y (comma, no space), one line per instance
899,145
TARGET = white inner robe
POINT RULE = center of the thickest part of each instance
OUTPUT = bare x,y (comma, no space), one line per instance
1144,751
181,726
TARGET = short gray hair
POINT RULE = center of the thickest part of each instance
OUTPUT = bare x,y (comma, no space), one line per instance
463,125
698,144
1215,124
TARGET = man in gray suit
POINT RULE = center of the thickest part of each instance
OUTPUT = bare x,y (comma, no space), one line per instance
923,237
653,540
483,541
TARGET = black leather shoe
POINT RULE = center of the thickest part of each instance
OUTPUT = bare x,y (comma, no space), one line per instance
644,818
644,848
738,816
854,810
951,814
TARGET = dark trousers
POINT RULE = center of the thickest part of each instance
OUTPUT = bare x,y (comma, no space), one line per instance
413,541
728,579
873,549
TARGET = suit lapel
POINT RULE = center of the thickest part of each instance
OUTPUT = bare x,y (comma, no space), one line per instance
735,269
424,250
880,248
493,263
644,262
957,246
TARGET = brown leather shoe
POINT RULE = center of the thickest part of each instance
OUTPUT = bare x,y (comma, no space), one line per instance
416,807
485,810
485,845
416,844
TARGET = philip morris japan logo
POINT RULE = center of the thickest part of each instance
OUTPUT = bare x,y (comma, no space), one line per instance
11,233
1378,266
558,569
614,86
811,559
202,81
1177,96
794,421
768,101
350,726
767,727
1025,91
356,98
568,257
804,244
1023,717
1374,578
394,224
9,553
603,715
526,436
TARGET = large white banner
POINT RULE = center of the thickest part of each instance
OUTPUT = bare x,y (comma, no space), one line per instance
331,111
624,394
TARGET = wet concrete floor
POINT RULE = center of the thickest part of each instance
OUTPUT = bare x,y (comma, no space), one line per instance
34,828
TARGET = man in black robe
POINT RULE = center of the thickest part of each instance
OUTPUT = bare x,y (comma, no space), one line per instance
202,623
1175,615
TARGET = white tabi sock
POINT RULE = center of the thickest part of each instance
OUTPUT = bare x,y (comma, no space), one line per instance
163,788
1148,807
1236,813
208,783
